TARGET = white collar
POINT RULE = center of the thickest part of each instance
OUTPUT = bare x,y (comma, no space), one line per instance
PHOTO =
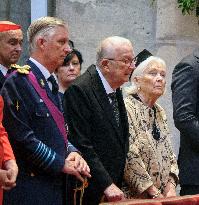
105,83
43,69
3,69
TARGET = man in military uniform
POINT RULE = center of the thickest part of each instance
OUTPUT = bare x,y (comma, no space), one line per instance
11,38
35,123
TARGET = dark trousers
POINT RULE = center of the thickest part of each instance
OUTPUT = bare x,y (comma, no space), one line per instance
37,190
189,190
92,195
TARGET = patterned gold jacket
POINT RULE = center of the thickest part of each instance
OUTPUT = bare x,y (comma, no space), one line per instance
149,161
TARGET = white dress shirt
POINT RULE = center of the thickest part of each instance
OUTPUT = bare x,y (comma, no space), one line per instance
3,69
105,83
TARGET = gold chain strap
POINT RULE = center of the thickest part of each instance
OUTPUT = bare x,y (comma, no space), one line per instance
81,189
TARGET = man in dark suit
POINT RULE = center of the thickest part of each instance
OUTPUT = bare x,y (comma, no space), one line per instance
185,94
11,38
35,123
97,122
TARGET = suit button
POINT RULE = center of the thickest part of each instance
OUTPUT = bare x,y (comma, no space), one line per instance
32,174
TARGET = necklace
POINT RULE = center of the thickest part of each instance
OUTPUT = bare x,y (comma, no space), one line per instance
155,130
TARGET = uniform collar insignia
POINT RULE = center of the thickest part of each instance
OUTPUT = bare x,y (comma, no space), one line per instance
21,69
42,83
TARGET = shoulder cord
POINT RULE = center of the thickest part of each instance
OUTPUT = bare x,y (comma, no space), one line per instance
81,189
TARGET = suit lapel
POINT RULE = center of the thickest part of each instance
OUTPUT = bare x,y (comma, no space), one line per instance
123,115
102,98
2,79
42,82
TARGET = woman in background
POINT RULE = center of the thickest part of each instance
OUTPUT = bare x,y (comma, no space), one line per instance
70,70
151,168
66,74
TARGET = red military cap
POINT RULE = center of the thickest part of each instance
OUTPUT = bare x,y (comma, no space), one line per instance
8,27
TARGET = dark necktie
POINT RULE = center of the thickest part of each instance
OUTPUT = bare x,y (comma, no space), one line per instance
55,86
10,70
114,104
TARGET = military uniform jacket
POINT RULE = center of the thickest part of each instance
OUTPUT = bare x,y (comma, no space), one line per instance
94,131
3,78
38,144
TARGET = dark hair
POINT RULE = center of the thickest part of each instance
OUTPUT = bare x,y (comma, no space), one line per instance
71,55
71,44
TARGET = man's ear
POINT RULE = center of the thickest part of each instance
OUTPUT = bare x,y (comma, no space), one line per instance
41,43
104,64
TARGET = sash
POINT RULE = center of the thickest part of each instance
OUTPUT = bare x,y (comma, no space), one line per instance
54,111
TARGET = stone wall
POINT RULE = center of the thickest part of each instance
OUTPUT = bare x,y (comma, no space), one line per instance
160,27
176,36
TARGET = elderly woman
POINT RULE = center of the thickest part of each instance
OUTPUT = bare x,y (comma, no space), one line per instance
70,70
151,169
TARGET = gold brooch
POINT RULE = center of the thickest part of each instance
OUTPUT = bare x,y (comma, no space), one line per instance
42,82
17,105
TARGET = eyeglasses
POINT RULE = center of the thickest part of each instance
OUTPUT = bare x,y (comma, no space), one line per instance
125,61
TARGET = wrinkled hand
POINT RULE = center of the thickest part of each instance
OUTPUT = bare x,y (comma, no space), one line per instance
160,196
3,177
80,164
113,193
69,168
76,165
11,169
169,190
152,191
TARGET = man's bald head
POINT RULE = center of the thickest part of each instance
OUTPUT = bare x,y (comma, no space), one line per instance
109,47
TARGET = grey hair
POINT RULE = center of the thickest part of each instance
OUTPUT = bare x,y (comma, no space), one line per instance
108,46
42,27
139,71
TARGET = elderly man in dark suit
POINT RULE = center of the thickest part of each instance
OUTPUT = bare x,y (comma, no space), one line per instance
11,38
35,123
185,93
97,118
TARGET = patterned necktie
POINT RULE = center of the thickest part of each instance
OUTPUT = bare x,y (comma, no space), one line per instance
114,104
55,86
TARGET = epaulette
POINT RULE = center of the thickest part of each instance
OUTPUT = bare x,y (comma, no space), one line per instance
21,69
